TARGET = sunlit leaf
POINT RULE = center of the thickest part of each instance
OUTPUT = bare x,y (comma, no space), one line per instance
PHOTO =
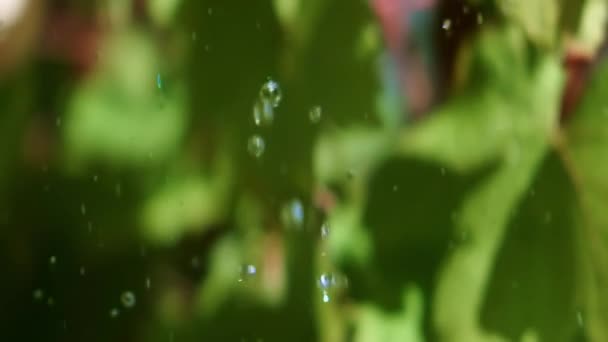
375,325
126,114
586,145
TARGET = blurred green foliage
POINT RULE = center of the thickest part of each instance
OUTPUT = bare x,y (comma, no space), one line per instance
484,220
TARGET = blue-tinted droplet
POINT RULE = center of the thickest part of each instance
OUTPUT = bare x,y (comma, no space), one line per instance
159,81
293,214
271,93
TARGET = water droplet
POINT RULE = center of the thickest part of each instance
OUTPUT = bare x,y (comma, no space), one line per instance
58,121
50,301
315,114
95,178
53,260
195,262
293,214
207,47
271,92
395,188
326,281
148,283
479,18
118,190
210,11
325,230
90,226
548,217
325,297
247,271
447,24
82,271
443,171
579,318
256,146
38,294
114,312
83,209
263,113
193,36
127,299
465,9
159,81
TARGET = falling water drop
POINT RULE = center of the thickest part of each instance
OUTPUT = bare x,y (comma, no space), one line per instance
195,262
325,230
159,81
325,297
114,312
315,114
263,113
326,281
256,146
447,24
247,271
292,214
271,92
38,294
127,299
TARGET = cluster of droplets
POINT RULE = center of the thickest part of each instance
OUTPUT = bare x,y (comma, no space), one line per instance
264,108
269,98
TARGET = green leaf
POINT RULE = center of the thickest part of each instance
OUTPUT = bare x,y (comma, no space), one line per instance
539,19
120,115
534,277
187,203
376,325
507,120
591,32
516,105
462,283
586,145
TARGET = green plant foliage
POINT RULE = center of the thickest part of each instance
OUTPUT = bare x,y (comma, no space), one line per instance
126,114
482,220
